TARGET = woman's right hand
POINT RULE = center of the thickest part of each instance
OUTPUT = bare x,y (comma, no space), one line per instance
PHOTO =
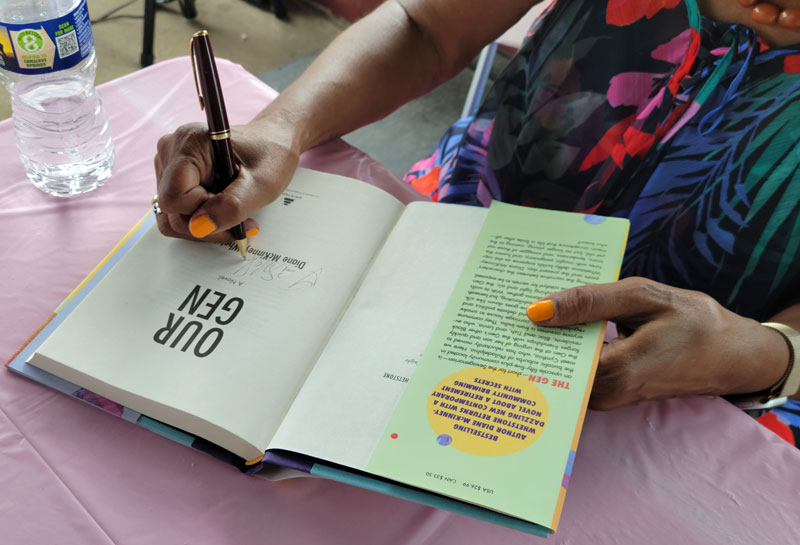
184,170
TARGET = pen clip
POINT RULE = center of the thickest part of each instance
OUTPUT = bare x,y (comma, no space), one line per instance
194,69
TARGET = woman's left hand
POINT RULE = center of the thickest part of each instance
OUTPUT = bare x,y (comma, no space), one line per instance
671,342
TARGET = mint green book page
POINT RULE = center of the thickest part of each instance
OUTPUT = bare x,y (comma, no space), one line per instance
426,498
495,405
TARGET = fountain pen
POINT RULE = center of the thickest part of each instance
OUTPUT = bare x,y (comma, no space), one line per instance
209,92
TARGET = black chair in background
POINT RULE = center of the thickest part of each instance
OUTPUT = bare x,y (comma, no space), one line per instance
187,9
190,12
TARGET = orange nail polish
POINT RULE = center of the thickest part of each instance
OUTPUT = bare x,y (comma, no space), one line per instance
252,232
541,311
765,13
201,226
790,18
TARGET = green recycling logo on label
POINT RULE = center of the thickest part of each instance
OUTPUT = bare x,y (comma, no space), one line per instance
49,45
30,41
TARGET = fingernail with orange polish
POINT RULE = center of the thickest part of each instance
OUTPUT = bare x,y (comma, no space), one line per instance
541,310
201,226
252,232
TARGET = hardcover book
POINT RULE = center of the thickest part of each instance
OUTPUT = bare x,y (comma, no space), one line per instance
363,340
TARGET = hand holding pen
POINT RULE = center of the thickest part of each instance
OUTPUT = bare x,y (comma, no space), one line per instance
219,131
195,204
204,189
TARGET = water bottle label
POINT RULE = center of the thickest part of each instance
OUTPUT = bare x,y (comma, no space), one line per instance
47,46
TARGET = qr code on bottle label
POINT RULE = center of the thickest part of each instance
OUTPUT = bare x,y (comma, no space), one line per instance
67,44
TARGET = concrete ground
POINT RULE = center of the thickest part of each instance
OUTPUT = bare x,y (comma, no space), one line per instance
241,32
276,51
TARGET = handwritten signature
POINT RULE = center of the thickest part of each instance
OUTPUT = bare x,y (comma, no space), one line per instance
282,275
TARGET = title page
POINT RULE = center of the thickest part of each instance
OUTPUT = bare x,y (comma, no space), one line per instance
189,333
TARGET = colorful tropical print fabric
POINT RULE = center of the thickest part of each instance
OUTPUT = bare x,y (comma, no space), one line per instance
646,110
785,421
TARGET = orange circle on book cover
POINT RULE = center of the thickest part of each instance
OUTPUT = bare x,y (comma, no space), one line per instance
487,411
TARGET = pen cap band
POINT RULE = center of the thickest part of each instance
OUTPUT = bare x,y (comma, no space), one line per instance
219,135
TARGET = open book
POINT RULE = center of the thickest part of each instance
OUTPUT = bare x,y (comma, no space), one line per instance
382,340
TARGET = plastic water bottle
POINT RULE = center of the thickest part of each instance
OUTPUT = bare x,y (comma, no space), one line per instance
48,64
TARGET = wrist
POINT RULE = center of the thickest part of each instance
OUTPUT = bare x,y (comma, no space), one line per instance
784,385
762,365
280,126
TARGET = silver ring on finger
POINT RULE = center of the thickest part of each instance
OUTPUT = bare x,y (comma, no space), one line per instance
156,208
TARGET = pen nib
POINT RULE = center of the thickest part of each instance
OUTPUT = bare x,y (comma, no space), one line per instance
242,244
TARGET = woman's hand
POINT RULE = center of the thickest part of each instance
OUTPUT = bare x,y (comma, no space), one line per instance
184,170
396,53
671,342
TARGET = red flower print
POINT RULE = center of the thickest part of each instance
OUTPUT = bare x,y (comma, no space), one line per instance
637,142
607,143
626,12
428,184
772,422
791,64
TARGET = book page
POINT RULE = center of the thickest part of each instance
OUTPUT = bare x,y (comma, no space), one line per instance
345,404
493,411
191,334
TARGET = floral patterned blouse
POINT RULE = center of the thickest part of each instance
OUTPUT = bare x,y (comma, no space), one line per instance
646,110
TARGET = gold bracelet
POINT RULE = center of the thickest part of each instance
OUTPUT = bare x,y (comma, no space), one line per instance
790,381
776,394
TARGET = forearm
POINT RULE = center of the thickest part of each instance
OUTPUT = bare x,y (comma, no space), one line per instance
401,50
374,66
397,53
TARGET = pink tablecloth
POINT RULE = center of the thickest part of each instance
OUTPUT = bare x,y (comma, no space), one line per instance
682,471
